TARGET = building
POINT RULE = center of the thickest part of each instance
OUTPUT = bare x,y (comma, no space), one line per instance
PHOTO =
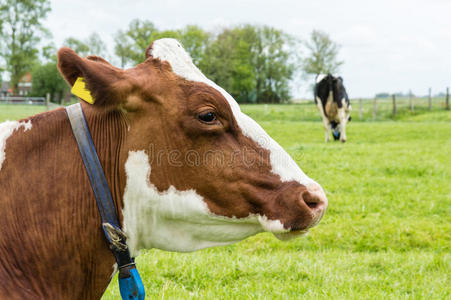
24,87
4,89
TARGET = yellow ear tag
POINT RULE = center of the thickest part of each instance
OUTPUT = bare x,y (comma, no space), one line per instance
79,89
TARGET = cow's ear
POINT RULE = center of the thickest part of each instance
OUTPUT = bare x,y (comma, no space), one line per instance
101,78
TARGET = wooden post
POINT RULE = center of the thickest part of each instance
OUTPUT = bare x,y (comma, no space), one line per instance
411,101
360,109
430,99
47,101
394,105
447,99
374,108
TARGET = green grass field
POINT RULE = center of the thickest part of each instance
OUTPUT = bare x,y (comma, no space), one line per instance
386,234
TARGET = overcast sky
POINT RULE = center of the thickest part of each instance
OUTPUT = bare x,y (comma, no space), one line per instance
387,45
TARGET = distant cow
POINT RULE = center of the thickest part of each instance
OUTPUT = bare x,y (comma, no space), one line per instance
186,168
333,104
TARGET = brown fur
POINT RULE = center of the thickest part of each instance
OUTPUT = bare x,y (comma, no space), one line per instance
332,111
51,241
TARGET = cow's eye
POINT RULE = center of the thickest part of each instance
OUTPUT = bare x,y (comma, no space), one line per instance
207,117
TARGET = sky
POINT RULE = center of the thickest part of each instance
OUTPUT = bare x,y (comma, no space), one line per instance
386,45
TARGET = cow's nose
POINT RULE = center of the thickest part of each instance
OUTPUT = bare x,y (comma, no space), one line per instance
315,198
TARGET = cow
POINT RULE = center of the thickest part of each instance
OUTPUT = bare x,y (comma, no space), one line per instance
186,168
333,103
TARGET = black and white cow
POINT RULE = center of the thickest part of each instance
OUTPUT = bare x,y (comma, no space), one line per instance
333,104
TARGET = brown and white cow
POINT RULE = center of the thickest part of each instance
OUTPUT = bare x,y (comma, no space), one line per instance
187,170
333,103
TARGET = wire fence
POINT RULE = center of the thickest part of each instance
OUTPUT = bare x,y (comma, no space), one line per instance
23,100
34,101
393,107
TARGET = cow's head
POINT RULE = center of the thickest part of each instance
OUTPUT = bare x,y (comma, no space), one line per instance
198,172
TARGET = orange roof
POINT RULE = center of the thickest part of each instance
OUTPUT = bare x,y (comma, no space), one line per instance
26,78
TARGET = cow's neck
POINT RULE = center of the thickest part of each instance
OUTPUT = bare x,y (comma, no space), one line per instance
109,130
50,221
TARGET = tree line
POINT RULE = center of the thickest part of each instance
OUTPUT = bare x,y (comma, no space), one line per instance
255,64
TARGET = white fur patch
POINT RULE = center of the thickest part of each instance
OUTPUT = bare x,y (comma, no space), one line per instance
282,164
173,220
274,226
320,77
6,130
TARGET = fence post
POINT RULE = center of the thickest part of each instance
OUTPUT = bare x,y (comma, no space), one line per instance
447,99
374,108
394,105
360,109
430,99
411,101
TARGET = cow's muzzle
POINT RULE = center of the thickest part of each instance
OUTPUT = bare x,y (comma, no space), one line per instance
313,203
315,199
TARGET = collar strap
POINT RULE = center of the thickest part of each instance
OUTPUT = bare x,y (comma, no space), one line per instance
130,283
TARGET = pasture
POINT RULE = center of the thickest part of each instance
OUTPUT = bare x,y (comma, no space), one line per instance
386,234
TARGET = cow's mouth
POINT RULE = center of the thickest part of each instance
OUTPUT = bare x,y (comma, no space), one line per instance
305,210
286,236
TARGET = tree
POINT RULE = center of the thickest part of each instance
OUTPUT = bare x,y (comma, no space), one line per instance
131,44
47,79
20,33
274,67
252,63
323,55
195,40
77,45
122,48
96,45
93,45
382,95
1,75
1,67
228,62
48,53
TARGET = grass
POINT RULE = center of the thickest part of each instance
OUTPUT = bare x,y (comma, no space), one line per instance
16,112
386,234
307,111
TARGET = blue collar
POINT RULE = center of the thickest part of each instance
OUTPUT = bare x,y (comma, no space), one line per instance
130,283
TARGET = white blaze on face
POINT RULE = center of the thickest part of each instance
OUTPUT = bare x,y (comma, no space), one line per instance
173,220
282,164
6,130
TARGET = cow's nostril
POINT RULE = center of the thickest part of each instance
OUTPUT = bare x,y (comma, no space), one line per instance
312,204
311,199
314,198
